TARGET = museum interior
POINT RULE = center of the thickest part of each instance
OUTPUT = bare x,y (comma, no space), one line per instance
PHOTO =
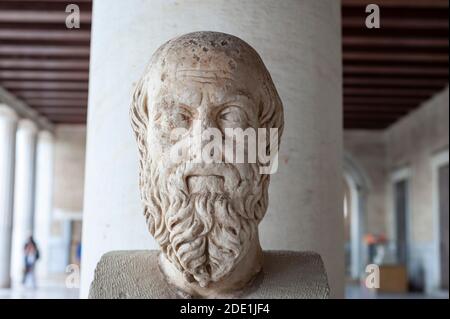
363,163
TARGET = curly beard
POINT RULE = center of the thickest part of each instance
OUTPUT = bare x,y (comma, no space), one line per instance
204,234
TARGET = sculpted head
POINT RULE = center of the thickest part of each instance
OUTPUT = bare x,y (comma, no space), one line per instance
203,214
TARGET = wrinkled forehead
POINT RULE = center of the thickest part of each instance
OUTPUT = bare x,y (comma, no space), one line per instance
222,63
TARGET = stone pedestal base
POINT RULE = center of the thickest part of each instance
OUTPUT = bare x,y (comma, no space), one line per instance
135,274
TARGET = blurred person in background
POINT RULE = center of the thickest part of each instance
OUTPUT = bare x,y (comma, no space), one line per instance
31,254
78,253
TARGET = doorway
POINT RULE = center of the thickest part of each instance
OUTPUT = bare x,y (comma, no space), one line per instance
356,187
443,225
439,272
400,188
401,218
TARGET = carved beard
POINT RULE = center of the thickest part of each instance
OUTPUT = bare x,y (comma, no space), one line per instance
203,234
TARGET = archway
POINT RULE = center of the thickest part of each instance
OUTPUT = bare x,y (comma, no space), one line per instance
356,188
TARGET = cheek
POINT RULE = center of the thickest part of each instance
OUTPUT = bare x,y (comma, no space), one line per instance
158,141
165,122
161,145
160,127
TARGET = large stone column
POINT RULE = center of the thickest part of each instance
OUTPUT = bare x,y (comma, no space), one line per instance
8,126
23,194
300,44
43,199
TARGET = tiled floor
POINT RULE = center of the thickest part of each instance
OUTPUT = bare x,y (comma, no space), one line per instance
49,289
353,291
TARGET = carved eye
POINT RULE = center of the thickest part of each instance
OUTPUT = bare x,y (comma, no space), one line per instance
184,115
232,115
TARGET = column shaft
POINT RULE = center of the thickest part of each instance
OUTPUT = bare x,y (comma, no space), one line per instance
8,126
43,199
299,42
23,194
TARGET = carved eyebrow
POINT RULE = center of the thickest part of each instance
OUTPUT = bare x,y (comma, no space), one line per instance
191,110
232,105
237,98
235,101
245,93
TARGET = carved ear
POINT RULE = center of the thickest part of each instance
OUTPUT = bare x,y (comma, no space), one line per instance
139,118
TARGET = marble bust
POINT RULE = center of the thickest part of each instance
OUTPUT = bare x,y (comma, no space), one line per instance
201,205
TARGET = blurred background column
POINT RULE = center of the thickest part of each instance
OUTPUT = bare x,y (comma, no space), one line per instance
43,199
8,126
23,194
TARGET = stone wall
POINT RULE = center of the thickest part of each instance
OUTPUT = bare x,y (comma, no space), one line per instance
409,144
412,143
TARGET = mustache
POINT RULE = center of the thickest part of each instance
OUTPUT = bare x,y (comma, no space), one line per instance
227,173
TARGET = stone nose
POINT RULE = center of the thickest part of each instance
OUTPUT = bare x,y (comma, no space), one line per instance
205,131
206,118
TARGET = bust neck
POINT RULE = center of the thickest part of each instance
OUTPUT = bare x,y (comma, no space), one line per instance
229,286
